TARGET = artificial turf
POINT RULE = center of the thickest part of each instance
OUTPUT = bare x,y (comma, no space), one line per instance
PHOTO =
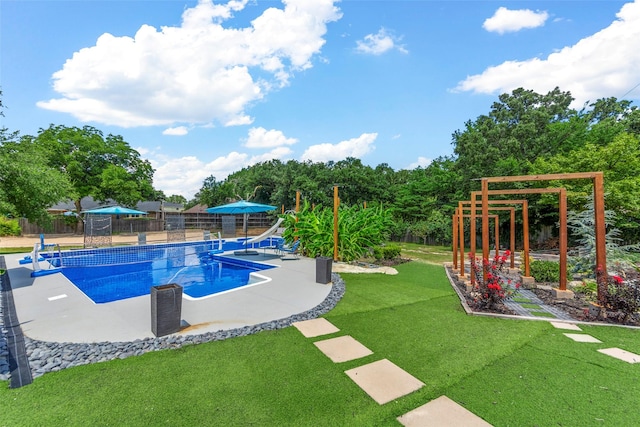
509,372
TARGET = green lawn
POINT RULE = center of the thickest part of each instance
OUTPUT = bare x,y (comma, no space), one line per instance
509,372
429,254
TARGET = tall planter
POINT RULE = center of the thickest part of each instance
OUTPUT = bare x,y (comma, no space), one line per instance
166,309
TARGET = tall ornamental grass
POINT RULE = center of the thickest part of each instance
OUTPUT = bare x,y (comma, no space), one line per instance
359,230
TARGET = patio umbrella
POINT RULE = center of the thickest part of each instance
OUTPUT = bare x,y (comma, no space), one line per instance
241,207
114,210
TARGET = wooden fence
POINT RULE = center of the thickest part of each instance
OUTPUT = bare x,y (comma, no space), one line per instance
145,225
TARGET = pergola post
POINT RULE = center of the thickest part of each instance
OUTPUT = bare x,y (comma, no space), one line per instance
485,222
461,237
601,246
455,239
512,240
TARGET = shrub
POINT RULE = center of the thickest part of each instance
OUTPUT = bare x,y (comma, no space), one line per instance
589,288
386,252
545,271
359,230
621,295
9,227
492,292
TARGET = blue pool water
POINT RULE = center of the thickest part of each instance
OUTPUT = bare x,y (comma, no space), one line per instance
112,274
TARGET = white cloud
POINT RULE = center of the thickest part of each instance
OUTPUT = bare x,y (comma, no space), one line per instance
177,131
262,138
185,175
602,65
505,20
197,73
355,147
422,162
379,43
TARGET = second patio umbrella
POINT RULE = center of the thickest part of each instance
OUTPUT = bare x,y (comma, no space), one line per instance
241,207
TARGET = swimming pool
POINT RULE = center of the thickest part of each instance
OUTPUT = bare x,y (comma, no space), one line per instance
113,274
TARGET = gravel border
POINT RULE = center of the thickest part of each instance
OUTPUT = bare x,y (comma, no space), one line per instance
47,356
5,372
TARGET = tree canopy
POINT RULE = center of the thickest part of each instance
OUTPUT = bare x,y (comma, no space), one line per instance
98,166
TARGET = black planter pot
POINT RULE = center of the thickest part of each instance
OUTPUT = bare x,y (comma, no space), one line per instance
166,309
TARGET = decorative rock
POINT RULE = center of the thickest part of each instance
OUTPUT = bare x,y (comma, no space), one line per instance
51,356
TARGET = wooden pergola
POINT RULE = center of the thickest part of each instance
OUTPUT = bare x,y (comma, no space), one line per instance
597,179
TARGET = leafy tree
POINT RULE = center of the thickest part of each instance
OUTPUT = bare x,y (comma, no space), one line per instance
176,198
105,168
434,188
27,185
437,228
619,161
515,133
211,193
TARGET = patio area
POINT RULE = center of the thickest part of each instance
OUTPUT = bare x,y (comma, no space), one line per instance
51,308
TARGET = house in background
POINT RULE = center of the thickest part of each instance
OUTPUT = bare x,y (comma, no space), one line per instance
155,210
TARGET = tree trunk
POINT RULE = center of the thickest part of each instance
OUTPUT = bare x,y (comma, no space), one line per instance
80,222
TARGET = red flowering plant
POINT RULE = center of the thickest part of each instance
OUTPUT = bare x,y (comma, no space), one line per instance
489,294
621,294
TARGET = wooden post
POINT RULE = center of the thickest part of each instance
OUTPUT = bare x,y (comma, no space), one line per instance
563,240
485,222
455,238
497,235
525,237
601,248
336,202
472,240
297,201
461,238
512,240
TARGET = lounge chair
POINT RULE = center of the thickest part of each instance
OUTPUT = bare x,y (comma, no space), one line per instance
292,250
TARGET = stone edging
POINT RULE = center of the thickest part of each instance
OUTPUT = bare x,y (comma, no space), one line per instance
53,356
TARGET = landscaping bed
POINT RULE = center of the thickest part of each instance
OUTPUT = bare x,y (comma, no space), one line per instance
578,307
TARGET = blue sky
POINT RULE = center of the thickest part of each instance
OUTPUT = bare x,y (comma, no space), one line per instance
204,88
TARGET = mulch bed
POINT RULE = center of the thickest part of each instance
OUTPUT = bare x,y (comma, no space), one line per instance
577,307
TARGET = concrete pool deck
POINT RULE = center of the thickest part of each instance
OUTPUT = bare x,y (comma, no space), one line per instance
51,308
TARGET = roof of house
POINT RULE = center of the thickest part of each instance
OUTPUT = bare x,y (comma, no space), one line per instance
89,203
196,209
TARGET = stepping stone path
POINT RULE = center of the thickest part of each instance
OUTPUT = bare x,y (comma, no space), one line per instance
384,381
615,352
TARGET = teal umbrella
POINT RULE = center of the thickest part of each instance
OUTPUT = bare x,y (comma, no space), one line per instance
114,210
241,207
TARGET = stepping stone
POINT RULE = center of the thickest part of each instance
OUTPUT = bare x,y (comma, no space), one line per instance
384,381
441,412
621,354
342,349
582,338
568,326
315,327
